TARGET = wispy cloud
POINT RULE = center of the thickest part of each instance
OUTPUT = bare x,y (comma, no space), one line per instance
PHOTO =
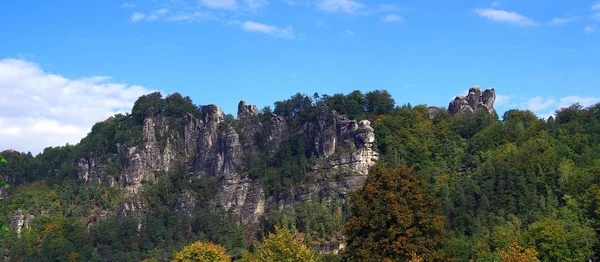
168,16
503,16
596,6
41,109
340,6
137,16
256,27
539,103
152,16
589,29
562,20
502,100
392,18
255,5
127,5
348,32
219,4
157,14
189,16
546,107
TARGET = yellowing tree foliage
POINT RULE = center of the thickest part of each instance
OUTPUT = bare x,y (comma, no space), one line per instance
394,218
281,247
202,252
515,253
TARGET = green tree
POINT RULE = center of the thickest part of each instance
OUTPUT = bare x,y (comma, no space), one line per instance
394,217
379,102
281,246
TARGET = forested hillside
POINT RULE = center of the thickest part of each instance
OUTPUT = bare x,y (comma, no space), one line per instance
442,185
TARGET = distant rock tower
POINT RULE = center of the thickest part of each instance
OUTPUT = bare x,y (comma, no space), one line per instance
475,100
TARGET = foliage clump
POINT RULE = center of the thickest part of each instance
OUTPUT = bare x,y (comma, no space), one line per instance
202,252
280,246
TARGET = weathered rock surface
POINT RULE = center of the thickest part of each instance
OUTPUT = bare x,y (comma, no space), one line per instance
20,220
10,181
475,100
212,146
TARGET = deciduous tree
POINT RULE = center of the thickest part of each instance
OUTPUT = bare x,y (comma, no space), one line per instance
394,217
202,252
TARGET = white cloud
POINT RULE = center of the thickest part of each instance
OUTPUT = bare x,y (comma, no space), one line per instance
538,103
348,32
502,100
252,26
255,5
160,13
562,20
502,16
545,107
189,16
392,18
137,16
127,5
40,109
168,16
340,6
596,6
584,101
589,29
219,4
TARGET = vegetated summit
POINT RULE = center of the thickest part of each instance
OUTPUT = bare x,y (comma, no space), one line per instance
143,184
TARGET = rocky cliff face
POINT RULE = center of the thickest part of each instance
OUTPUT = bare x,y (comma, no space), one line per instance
475,100
212,146
20,220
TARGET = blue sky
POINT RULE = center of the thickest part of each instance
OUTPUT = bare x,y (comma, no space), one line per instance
63,59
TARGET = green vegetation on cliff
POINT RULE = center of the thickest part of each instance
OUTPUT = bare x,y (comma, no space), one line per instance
477,186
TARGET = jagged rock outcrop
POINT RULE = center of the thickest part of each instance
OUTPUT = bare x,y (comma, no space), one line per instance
433,111
20,220
345,150
246,111
4,192
216,147
186,203
475,100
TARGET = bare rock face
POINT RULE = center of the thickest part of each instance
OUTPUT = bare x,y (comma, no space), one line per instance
475,100
278,130
9,180
20,221
432,111
186,203
345,150
214,147
246,111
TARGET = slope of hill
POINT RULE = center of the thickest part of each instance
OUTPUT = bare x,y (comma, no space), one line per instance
143,185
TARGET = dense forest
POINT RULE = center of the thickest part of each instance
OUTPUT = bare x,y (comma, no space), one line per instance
447,187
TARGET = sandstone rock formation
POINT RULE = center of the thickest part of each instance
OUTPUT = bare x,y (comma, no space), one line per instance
20,221
212,146
475,100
